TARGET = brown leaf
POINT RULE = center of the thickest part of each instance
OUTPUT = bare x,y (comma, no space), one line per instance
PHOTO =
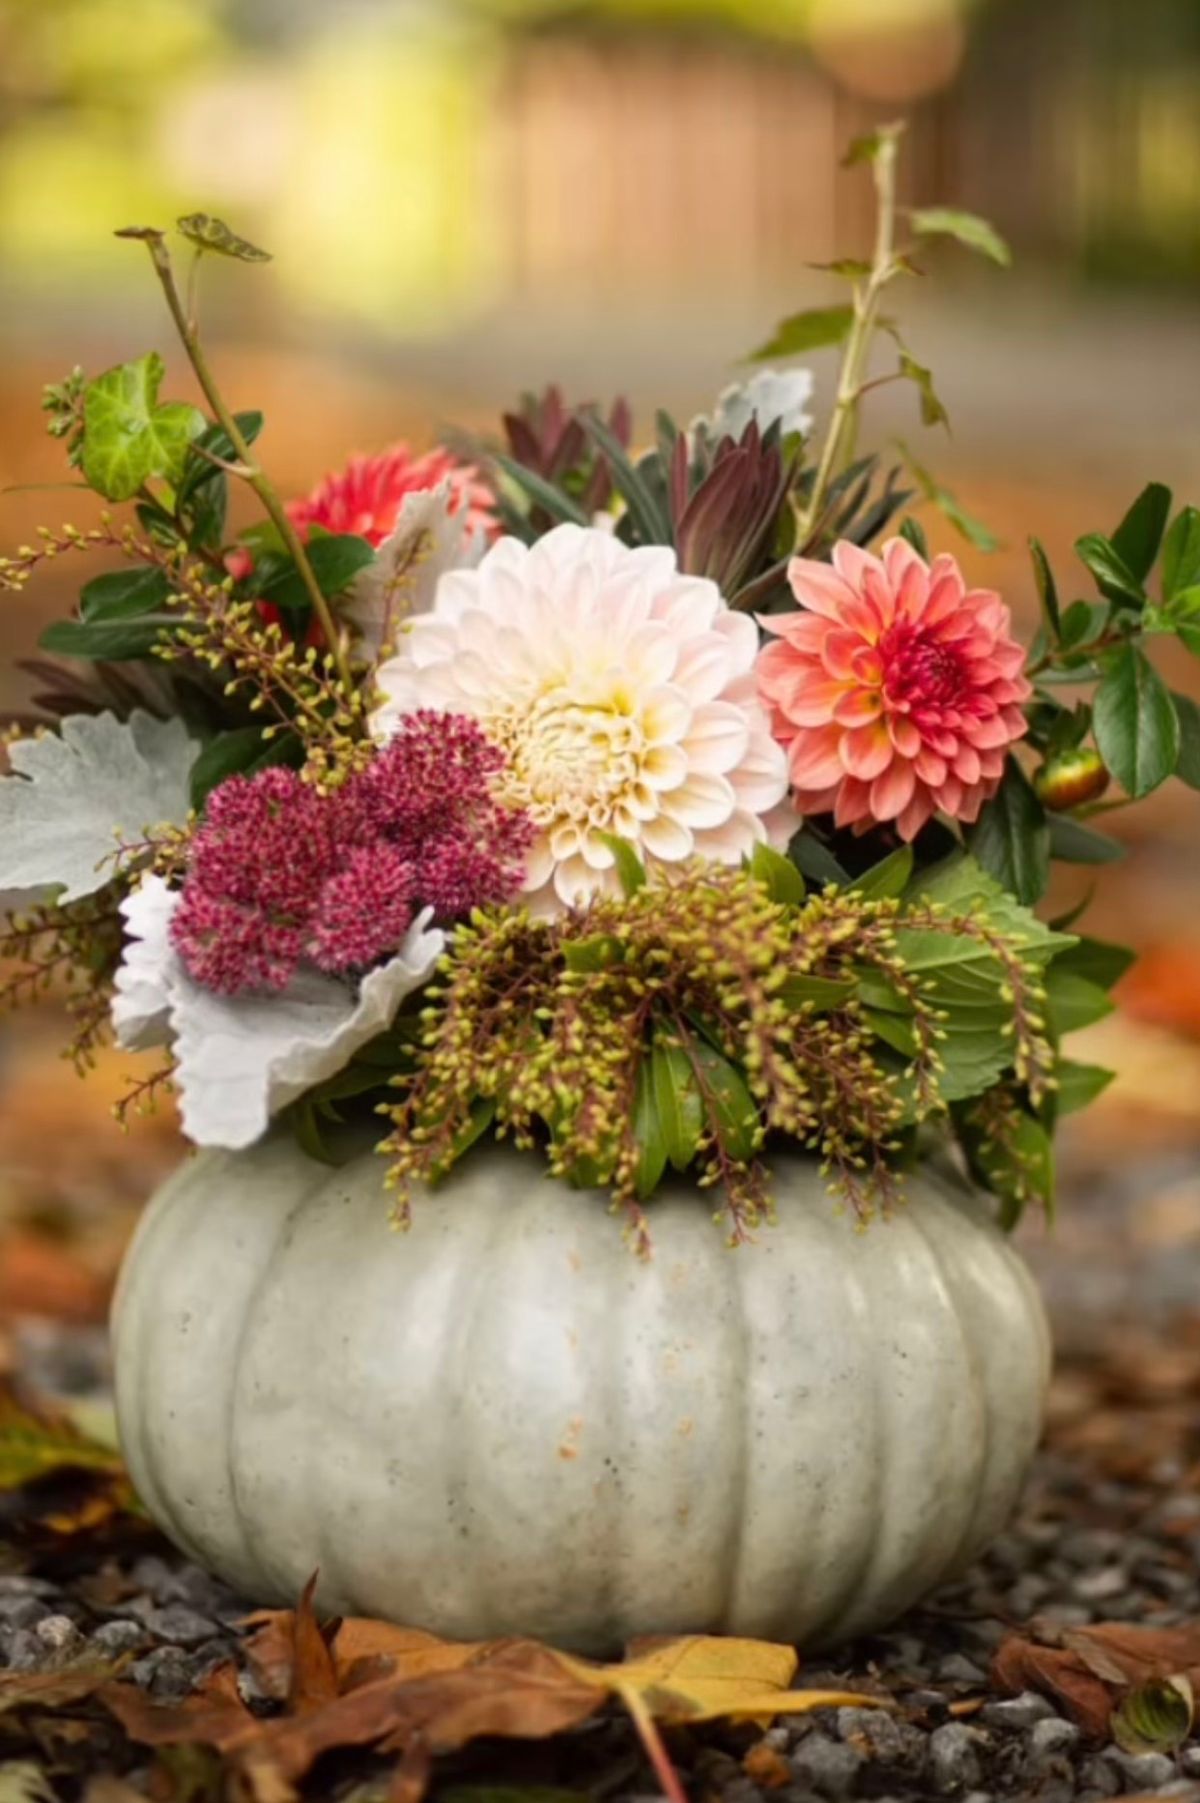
57,1689
213,1716
314,1678
1090,1670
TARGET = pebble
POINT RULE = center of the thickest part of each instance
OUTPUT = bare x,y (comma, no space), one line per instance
879,1735
179,1625
18,1610
1018,1713
1142,1771
1051,1738
958,1669
829,1767
1098,1779
114,1637
1099,1586
954,1757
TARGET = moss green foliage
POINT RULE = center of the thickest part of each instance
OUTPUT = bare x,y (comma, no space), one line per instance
689,1023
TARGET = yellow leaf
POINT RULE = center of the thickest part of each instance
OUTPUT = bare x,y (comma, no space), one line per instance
702,1677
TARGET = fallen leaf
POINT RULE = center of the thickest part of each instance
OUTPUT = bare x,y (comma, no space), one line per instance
22,1781
213,1716
1091,1671
314,1677
767,1767
1156,1717
701,1678
57,1689
62,1480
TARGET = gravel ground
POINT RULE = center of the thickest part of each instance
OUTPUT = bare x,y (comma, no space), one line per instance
1087,1546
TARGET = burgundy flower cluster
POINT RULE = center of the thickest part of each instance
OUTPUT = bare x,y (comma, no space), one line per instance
282,875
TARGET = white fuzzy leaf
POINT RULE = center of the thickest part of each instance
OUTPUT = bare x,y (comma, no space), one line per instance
427,540
76,794
240,1059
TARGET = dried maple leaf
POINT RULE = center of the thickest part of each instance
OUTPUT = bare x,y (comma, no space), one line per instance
67,1482
365,1684
1091,1670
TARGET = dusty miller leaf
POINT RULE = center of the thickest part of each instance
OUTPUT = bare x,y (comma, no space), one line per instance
73,796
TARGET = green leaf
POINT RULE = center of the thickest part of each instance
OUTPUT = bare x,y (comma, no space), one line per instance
213,234
1138,537
888,878
544,494
1112,576
630,869
777,874
1098,960
1082,622
807,331
1155,1716
1072,1001
1043,575
677,1103
1071,842
967,228
648,1134
1079,1084
335,562
128,437
1187,768
933,413
107,641
588,956
1181,554
1017,1172
124,594
644,509
1136,726
973,530
914,532
218,443
729,1107
242,751
814,859
1012,837
818,993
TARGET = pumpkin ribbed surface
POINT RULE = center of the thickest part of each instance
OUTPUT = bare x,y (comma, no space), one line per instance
503,1422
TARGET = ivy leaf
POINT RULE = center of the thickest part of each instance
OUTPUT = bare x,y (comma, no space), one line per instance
124,594
1181,554
1138,537
1012,837
128,436
967,228
933,413
1112,575
1136,726
213,234
811,330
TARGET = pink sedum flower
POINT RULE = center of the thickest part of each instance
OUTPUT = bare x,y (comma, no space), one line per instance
896,691
366,497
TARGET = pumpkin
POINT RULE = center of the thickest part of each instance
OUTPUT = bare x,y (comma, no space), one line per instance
504,1422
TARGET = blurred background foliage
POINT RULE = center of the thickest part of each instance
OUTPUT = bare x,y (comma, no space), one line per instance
466,198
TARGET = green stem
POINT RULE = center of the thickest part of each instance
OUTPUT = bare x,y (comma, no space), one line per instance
254,475
867,295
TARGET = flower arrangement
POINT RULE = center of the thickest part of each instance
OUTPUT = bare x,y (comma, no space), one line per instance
638,805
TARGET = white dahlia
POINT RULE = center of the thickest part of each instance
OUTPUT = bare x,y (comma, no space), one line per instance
623,694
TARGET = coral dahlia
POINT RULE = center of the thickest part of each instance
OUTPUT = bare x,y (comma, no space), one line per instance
366,497
897,691
622,694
